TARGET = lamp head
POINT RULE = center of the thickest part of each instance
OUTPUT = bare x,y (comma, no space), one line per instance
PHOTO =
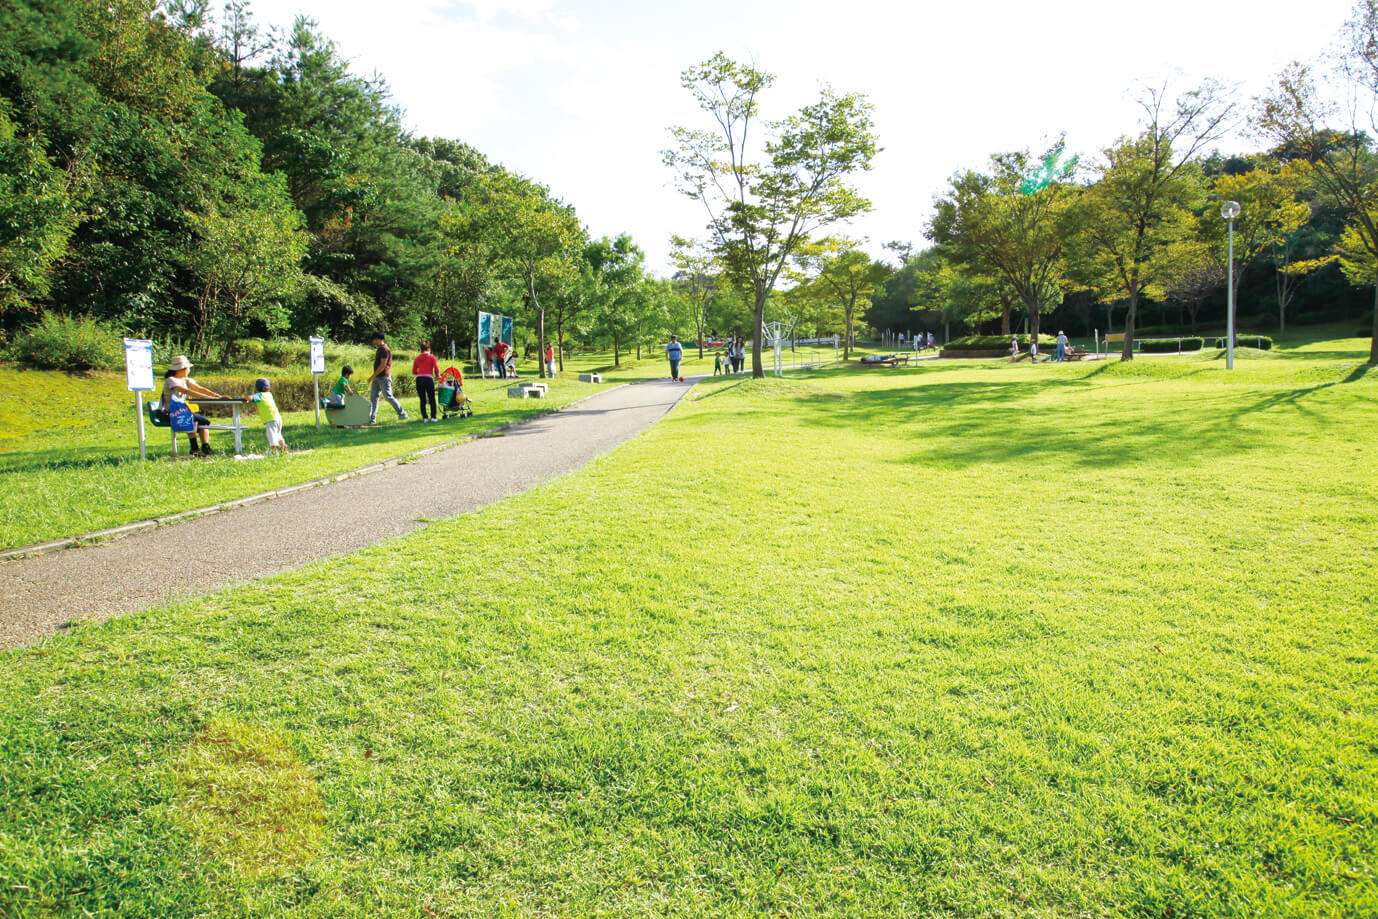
1230,210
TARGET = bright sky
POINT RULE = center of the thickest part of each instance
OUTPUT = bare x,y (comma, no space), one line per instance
578,94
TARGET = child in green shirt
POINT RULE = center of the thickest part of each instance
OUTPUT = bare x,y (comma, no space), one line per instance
268,411
342,388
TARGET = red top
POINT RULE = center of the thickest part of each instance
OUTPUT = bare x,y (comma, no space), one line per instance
425,365
550,352
499,349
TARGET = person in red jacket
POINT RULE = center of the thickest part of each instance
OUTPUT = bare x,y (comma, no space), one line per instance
424,369
550,360
500,349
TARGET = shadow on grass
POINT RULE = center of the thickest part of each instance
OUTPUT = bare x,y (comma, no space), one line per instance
299,436
970,424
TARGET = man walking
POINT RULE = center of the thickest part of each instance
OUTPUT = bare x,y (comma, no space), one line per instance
380,384
1061,346
675,352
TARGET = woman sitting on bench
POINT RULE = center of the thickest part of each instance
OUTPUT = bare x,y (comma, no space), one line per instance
176,387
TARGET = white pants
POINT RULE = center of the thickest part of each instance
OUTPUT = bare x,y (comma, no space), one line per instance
274,432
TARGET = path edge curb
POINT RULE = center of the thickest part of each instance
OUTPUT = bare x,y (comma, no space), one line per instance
125,529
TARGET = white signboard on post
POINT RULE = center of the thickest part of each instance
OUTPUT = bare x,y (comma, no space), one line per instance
138,375
317,368
138,365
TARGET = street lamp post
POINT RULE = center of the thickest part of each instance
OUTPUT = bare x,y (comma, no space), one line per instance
1230,211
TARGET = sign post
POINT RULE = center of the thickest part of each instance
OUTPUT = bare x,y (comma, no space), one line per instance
138,374
317,368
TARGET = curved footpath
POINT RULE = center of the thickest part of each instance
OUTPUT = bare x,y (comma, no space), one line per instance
40,594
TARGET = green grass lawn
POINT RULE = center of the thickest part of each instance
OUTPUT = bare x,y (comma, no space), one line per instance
967,639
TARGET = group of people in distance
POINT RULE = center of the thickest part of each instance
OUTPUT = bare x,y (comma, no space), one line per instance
178,386
732,357
1033,347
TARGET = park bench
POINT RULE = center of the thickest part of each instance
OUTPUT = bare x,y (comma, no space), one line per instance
590,378
883,360
159,420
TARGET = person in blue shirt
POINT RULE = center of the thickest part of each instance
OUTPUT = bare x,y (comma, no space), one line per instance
675,351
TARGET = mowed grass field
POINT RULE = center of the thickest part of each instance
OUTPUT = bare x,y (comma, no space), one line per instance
967,639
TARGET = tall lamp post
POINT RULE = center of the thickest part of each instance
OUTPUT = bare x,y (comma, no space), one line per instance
1230,211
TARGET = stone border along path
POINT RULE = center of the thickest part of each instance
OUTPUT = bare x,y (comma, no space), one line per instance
40,594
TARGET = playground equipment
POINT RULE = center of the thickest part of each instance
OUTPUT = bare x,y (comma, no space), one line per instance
492,328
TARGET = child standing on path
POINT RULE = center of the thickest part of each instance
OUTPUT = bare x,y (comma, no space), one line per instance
717,363
424,368
268,411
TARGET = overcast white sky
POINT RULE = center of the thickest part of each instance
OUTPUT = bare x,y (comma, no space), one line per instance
578,94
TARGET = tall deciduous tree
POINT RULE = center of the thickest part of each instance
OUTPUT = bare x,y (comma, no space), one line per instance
246,259
1334,141
1269,212
534,232
1124,225
762,205
696,276
845,275
1000,224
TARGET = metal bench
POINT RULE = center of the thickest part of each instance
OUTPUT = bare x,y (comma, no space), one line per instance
162,421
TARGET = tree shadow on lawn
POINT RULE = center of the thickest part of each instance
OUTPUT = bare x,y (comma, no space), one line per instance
969,424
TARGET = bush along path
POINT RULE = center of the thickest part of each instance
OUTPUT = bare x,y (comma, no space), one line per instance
42,594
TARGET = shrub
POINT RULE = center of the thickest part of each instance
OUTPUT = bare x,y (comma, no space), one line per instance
1261,342
68,343
1170,345
284,352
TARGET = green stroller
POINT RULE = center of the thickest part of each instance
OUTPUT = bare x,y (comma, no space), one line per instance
450,395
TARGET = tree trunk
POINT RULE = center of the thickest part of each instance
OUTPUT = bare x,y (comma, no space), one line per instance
1005,320
757,370
1373,345
616,354
1127,353
540,323
947,331
560,342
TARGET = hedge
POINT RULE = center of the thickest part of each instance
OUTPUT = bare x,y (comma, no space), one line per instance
999,342
1261,342
1170,345
294,394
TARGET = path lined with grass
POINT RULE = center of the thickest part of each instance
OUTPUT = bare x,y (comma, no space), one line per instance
964,640
38,595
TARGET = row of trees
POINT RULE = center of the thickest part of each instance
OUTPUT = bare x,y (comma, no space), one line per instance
188,175
1143,219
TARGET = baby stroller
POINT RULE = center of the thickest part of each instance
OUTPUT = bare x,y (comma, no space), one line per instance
450,395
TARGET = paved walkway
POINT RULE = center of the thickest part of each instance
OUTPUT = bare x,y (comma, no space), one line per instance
39,595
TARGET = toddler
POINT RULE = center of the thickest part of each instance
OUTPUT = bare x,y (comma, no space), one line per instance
268,411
